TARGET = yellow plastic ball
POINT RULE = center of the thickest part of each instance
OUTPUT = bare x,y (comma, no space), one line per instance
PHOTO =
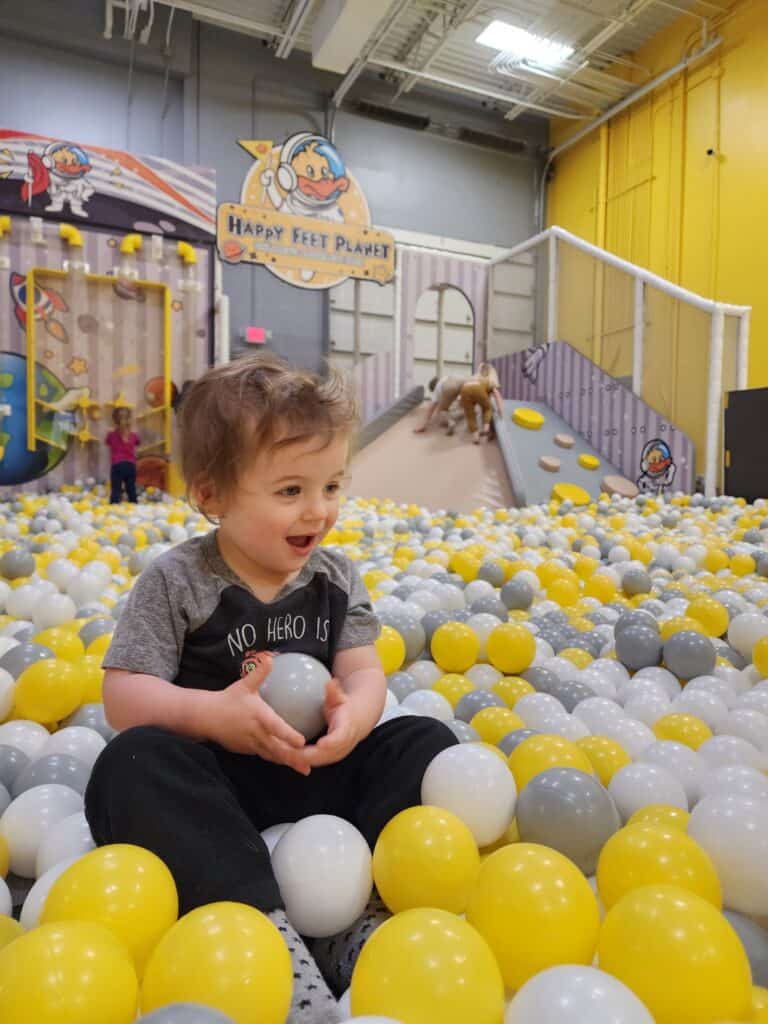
538,753
511,689
494,723
605,755
600,586
710,614
664,815
563,592
48,690
10,929
100,645
67,973
390,647
228,956
425,857
677,624
742,565
715,560
424,966
125,888
577,656
62,642
640,855
678,954
511,648
760,656
455,647
92,674
687,729
453,687
5,856
535,909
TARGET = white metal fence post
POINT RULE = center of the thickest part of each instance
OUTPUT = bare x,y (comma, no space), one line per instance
552,284
742,353
714,402
638,338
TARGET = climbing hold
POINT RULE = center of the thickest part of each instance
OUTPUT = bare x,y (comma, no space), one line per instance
549,463
571,492
564,441
588,461
612,483
528,418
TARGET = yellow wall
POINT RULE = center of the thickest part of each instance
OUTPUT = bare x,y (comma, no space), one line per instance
662,202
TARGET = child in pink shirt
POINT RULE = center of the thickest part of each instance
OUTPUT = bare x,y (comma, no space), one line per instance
122,442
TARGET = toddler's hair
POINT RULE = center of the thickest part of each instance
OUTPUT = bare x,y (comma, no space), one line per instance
235,411
433,383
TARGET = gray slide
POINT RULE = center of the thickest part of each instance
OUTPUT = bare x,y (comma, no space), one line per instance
522,449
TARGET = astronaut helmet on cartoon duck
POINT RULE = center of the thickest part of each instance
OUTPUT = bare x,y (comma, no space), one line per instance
657,467
66,159
311,177
61,172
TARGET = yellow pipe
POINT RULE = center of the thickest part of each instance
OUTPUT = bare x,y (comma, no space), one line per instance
187,253
71,235
130,243
5,225
30,323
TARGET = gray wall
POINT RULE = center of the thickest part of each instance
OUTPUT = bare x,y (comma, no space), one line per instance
192,104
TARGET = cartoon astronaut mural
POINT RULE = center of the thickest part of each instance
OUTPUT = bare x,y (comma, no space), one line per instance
657,468
310,179
62,171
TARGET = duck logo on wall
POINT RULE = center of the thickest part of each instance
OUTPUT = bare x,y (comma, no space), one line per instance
303,215
657,468
61,171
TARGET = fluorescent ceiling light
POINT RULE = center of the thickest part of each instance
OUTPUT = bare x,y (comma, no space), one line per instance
500,35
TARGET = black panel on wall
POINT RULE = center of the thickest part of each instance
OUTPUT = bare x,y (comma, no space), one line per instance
746,454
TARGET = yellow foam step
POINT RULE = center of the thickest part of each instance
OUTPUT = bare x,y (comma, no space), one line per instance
571,492
529,419
589,461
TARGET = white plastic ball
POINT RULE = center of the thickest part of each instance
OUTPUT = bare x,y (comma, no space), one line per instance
71,837
638,785
430,703
30,817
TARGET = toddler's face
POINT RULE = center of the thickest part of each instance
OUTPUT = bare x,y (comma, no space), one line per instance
286,503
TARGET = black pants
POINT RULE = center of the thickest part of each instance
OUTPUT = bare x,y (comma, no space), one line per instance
200,808
123,473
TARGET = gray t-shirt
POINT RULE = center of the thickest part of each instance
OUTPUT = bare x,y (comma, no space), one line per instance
192,621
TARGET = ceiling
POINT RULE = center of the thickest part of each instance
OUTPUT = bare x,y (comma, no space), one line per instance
430,44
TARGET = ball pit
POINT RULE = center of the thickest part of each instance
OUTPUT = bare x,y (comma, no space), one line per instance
605,669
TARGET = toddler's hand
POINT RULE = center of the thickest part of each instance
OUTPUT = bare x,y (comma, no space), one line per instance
246,724
344,731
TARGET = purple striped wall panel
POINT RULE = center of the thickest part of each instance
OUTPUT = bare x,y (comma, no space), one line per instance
615,421
373,380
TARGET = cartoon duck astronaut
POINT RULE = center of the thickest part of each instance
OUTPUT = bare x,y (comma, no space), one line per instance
657,466
310,179
61,172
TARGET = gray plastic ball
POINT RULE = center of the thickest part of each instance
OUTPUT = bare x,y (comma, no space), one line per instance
21,657
475,701
92,717
401,684
432,621
492,573
463,731
517,594
754,939
688,654
410,629
96,627
569,811
513,739
490,606
541,679
638,647
16,564
636,617
570,692
295,689
60,769
12,762
185,1013
636,581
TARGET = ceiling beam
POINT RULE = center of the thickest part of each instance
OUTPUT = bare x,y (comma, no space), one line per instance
368,51
295,23
460,18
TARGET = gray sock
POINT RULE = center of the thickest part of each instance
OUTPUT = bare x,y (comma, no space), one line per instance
336,956
312,1002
